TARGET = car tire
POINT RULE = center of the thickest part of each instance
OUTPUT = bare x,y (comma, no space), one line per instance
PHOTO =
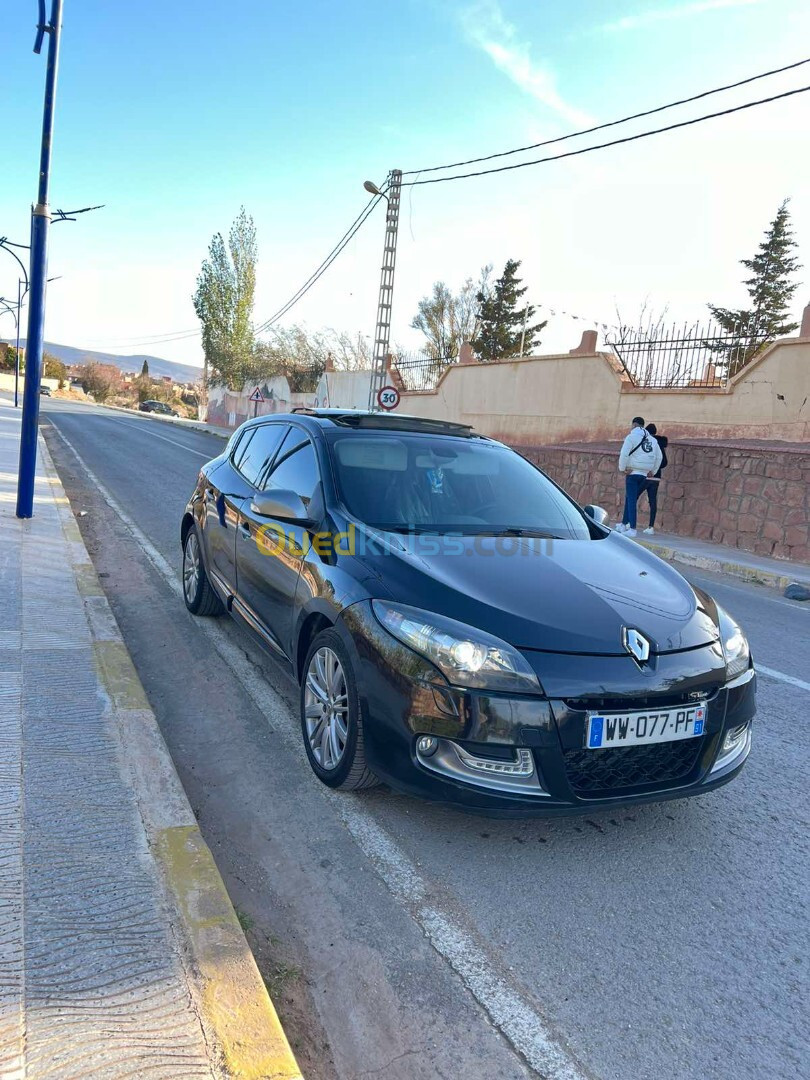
336,751
198,592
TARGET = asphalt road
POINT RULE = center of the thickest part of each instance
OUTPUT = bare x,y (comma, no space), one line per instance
408,940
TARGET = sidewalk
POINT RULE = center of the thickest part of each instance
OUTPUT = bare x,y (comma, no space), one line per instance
777,573
120,952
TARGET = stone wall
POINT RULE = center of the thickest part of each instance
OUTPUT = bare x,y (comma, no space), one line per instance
753,496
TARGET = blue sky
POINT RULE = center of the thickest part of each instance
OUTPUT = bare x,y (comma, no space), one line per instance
175,114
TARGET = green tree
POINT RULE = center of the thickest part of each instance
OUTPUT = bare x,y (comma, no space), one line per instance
145,370
53,368
770,289
223,301
8,358
502,318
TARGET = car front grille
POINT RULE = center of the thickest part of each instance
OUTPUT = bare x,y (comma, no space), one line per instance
591,772
637,702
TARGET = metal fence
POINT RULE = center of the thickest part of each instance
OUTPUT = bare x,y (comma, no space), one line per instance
685,357
420,372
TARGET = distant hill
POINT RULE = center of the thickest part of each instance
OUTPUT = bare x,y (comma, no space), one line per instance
181,373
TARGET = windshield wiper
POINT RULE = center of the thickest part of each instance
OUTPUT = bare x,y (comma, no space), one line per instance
407,529
523,530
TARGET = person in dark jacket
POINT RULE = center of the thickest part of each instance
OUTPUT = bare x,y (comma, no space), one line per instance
652,482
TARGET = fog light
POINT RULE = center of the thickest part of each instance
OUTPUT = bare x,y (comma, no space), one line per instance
734,736
427,745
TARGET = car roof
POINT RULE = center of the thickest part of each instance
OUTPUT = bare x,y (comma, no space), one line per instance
356,419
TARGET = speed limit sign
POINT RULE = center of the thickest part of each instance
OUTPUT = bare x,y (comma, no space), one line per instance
388,398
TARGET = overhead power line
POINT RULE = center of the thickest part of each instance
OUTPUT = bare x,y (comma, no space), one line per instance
613,142
324,266
611,123
180,335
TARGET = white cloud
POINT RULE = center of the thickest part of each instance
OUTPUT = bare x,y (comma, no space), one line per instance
684,11
487,28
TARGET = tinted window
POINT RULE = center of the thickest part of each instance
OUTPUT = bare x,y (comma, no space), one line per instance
449,484
252,461
297,468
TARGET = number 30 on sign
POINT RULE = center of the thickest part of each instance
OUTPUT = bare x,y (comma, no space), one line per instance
388,397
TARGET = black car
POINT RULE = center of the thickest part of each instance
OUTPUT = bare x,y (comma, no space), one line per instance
460,628
157,407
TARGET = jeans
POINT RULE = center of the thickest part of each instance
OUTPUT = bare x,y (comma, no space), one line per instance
633,486
651,487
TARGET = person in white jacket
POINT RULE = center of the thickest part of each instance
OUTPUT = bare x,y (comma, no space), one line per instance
640,457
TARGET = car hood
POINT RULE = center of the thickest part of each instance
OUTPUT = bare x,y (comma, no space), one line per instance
564,596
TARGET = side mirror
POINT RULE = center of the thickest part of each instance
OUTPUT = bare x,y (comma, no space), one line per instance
283,505
599,515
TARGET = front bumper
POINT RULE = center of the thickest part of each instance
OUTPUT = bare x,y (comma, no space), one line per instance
525,754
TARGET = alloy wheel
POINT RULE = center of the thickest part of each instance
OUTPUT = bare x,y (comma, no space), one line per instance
326,708
191,567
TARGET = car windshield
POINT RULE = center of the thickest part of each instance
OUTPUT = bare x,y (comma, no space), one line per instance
428,483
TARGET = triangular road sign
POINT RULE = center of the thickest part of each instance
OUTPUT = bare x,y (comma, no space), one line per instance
256,395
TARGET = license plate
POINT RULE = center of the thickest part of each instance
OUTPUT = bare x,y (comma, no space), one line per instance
608,730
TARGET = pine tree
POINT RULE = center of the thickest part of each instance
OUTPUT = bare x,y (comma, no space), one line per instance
145,370
771,291
501,318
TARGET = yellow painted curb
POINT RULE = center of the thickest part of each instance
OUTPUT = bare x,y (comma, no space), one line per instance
720,566
234,998
118,674
229,990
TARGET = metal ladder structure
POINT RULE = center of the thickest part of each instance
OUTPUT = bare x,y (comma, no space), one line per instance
382,334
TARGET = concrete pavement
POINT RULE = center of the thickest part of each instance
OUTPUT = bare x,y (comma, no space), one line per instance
415,942
120,953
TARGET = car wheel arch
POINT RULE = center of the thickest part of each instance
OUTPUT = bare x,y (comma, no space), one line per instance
185,525
312,625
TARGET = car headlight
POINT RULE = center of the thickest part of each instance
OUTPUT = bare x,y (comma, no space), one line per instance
466,656
735,645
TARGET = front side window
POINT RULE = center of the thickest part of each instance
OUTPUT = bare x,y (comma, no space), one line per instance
296,468
259,451
444,484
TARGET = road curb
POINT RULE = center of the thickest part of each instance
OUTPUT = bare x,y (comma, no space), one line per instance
232,1001
179,421
745,571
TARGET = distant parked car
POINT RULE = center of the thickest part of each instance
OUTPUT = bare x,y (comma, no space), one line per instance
45,391
157,407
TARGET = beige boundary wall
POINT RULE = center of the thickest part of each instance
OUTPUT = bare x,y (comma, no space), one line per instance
578,397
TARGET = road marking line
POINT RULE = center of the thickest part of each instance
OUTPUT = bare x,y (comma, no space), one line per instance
154,435
510,1008
780,676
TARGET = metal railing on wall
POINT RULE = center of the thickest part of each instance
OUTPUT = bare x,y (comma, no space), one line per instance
686,357
418,371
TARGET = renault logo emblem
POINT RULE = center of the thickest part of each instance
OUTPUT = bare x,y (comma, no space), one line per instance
636,644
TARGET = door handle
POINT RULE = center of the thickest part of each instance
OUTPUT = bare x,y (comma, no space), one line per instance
244,529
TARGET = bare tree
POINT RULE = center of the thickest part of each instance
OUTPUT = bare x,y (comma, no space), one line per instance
448,319
101,380
349,352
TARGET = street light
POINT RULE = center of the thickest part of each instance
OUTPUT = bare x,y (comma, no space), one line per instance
372,189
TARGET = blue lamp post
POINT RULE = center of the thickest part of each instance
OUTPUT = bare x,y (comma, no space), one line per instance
40,221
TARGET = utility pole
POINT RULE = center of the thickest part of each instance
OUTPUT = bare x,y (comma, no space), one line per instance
40,221
382,334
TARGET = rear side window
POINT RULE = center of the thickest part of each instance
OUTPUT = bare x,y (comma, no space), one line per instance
297,468
258,453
